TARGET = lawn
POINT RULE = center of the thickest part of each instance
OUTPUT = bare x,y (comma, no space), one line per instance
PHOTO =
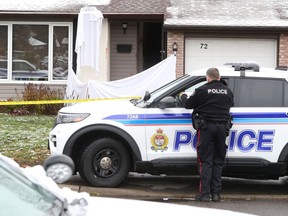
24,138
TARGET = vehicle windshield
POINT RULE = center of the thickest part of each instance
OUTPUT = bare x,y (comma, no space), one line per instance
20,196
164,88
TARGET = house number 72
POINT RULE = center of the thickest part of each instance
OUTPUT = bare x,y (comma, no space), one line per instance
203,46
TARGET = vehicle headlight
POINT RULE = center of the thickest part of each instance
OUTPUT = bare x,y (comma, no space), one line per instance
63,118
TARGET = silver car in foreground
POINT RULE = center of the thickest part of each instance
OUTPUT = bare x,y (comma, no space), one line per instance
29,191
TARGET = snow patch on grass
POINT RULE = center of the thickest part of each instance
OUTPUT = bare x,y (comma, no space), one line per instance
24,138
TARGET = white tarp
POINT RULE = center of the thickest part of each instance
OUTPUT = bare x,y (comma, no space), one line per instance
88,39
136,85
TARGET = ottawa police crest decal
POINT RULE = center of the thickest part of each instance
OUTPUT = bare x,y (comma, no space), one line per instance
159,141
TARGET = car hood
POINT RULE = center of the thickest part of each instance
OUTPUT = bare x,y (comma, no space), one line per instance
105,105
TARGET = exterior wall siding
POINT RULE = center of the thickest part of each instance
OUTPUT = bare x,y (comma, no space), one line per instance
123,64
14,91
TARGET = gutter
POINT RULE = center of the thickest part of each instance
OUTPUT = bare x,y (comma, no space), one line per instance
221,27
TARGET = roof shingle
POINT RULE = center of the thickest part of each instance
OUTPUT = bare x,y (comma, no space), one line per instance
177,13
44,6
136,7
239,13
74,6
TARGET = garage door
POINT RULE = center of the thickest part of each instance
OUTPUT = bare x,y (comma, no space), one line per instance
214,52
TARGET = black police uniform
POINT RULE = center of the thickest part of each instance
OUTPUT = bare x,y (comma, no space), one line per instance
212,103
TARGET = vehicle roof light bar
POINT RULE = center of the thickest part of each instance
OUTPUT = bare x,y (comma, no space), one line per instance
242,66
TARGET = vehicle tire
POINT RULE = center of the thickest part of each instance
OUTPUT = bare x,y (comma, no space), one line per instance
80,171
105,163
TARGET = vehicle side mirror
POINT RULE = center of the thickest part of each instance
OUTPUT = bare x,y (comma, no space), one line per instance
147,96
59,167
167,102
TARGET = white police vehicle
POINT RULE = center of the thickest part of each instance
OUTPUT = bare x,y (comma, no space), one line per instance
109,138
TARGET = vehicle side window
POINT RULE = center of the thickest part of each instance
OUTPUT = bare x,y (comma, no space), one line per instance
251,92
188,91
286,94
191,89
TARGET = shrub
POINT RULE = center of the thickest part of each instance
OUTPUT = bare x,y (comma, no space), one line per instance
8,109
34,92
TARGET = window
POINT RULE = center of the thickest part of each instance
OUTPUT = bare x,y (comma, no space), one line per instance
191,89
39,52
60,52
3,51
259,92
22,196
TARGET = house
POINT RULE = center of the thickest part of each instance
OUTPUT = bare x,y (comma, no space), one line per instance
38,37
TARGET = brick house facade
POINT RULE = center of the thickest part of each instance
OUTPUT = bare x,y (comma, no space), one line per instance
178,37
283,50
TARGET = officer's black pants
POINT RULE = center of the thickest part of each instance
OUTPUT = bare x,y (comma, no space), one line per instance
211,152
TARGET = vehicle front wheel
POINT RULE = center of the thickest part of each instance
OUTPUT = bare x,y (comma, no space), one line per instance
105,163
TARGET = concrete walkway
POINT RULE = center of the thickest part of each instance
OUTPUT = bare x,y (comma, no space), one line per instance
148,187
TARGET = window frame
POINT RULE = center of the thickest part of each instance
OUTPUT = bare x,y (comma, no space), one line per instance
51,26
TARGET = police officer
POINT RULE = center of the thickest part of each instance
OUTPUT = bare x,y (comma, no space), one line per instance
211,117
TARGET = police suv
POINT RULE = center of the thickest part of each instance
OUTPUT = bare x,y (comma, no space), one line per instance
107,139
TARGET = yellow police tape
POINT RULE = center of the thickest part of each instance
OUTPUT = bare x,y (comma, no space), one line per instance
6,103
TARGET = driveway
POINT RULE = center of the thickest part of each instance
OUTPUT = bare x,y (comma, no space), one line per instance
148,187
